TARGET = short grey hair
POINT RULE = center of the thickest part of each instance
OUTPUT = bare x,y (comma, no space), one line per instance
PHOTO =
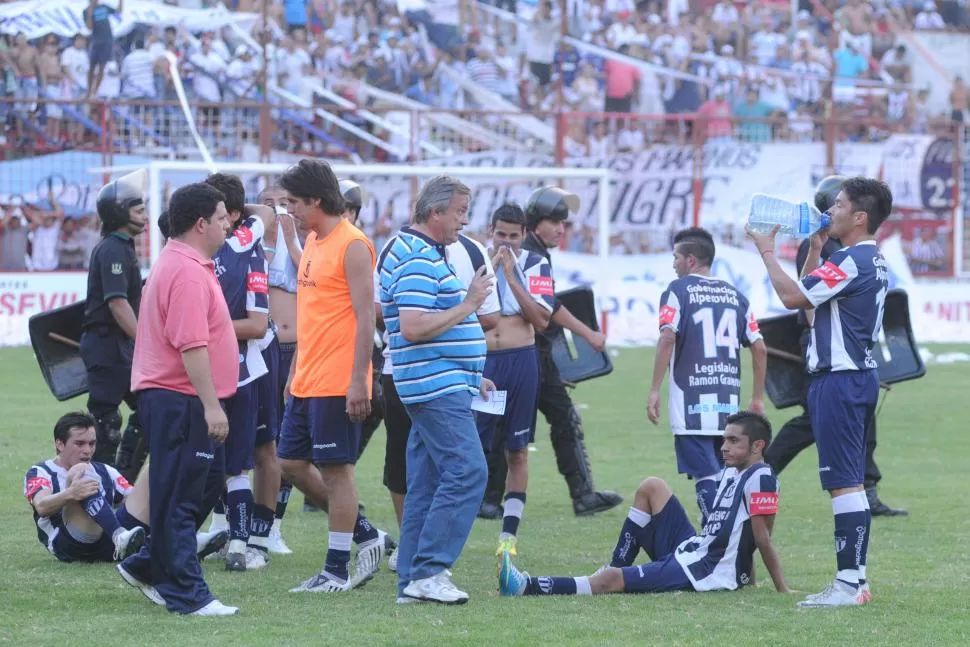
436,195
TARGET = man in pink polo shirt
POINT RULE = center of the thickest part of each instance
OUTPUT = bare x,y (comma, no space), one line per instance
186,363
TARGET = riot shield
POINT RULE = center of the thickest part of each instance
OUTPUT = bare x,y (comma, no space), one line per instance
896,354
576,359
55,336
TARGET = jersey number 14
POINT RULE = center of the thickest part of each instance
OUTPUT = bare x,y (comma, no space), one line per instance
725,335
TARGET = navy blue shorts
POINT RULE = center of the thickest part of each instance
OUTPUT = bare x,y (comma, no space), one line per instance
698,456
319,430
68,549
515,371
841,406
667,529
241,409
268,398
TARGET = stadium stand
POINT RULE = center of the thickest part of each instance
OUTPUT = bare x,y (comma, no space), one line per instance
344,76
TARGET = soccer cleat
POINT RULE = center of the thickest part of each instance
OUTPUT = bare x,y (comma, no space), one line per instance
215,608
506,544
147,590
322,582
368,561
209,543
276,543
836,594
236,556
127,542
511,581
392,565
256,559
437,588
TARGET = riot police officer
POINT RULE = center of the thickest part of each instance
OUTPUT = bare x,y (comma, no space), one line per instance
796,434
545,212
110,321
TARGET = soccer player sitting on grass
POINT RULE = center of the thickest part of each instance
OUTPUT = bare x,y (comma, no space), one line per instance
72,497
720,558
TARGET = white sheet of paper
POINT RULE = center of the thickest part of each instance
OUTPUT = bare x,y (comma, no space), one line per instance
495,404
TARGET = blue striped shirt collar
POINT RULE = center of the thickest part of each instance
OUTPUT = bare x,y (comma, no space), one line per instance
440,247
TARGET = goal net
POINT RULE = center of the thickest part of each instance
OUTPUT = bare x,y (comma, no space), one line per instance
392,188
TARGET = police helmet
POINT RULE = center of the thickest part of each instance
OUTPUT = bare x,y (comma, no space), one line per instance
549,203
826,191
117,197
354,195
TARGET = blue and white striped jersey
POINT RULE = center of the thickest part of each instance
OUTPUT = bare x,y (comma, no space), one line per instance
465,256
416,276
849,295
712,321
721,557
534,273
240,266
48,475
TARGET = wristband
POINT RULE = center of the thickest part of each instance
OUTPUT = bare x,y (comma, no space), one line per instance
269,250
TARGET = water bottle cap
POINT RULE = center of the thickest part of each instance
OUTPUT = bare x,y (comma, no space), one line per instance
825,221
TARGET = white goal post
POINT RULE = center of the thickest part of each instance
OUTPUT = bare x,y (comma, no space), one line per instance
157,169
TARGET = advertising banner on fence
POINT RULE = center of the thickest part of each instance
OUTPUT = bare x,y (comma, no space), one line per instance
26,294
651,190
628,291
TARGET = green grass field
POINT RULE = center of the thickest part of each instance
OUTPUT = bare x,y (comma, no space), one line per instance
918,565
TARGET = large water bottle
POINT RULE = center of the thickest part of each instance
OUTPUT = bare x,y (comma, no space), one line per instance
797,220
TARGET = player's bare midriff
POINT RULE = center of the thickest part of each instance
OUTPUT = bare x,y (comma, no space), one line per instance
282,307
511,332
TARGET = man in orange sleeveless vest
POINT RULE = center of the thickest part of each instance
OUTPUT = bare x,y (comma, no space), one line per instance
328,389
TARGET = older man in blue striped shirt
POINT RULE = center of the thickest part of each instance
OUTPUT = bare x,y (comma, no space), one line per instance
438,354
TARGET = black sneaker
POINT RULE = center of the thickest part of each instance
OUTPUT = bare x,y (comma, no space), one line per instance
880,509
490,511
594,502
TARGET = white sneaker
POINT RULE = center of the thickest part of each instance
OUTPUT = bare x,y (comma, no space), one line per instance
407,600
322,582
127,542
147,590
368,560
392,563
256,560
836,594
437,588
276,543
215,608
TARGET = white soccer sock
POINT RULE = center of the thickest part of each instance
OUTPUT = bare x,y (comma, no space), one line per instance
234,483
341,540
582,586
638,517
513,508
219,522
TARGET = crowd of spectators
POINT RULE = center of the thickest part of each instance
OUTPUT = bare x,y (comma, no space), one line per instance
734,59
